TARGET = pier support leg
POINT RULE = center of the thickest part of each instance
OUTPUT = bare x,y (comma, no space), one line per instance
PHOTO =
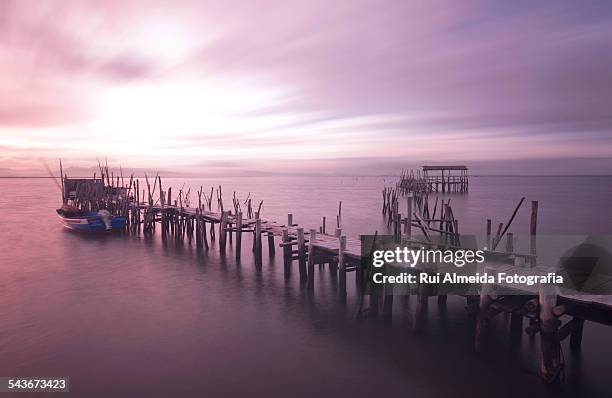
550,362
222,232
374,303
286,253
576,336
258,249
302,255
388,303
204,238
420,315
342,268
238,235
271,251
198,230
311,262
442,298
482,319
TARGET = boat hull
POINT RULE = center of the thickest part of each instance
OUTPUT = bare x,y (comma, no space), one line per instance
92,223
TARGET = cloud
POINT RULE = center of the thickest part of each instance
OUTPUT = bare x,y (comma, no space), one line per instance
268,81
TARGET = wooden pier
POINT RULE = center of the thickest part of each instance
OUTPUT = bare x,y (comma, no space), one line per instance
445,179
152,208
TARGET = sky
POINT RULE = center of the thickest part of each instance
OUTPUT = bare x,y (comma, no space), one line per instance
247,86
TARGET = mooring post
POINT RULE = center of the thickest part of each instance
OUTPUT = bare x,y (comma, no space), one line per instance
550,363
286,252
271,251
238,235
258,251
289,220
311,262
342,268
302,254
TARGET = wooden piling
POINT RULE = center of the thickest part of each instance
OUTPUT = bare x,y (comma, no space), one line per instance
311,258
271,251
551,363
408,227
533,229
422,302
388,302
576,335
302,254
482,319
488,234
238,235
342,268
258,248
222,232
286,252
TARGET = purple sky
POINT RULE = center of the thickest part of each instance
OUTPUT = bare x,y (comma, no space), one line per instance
221,86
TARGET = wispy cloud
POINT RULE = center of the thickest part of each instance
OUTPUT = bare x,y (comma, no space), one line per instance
254,83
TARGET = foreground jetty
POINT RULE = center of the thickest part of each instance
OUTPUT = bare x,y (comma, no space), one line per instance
149,208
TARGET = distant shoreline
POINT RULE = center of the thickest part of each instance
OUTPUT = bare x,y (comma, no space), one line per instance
335,176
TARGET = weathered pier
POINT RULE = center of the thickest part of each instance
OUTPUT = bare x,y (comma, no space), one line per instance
149,208
439,178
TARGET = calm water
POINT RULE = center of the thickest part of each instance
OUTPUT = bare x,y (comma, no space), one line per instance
130,316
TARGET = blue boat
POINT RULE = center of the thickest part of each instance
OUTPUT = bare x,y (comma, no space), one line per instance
102,221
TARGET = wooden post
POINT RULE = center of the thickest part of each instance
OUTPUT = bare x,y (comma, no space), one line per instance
509,242
420,315
576,336
198,229
286,252
271,251
311,262
388,302
409,210
204,238
289,220
550,363
342,268
482,319
222,232
302,254
258,249
533,229
488,233
238,235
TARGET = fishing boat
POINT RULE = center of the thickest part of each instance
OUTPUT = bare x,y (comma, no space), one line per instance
80,221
